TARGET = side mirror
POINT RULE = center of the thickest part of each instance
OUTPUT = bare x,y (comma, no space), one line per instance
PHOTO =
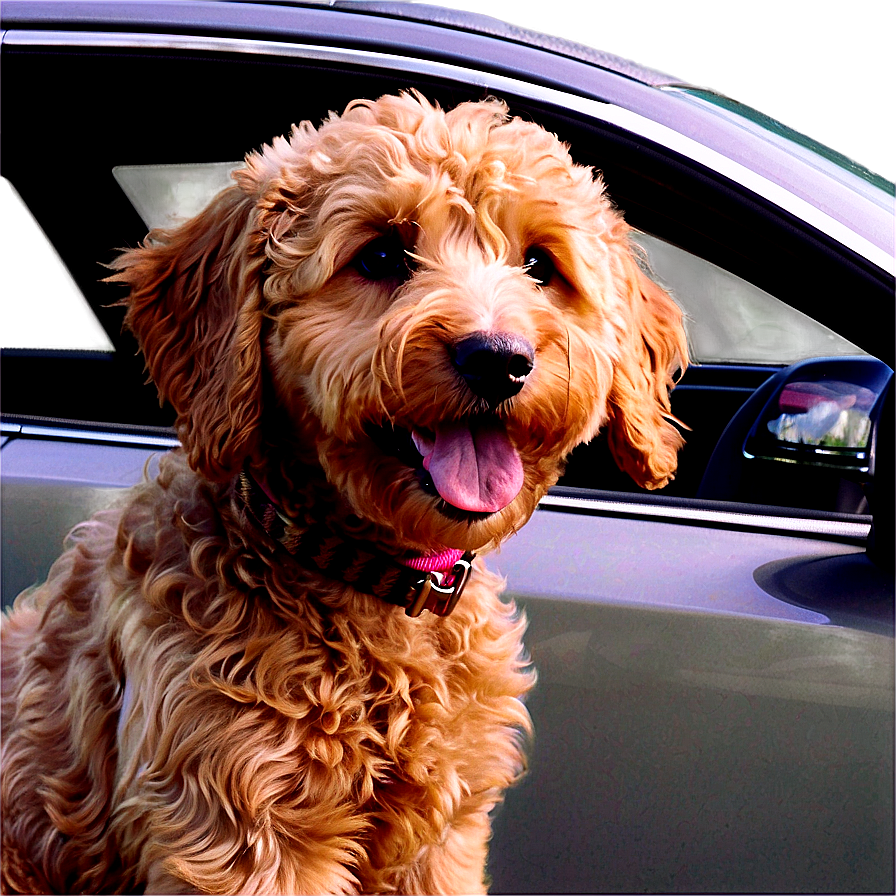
807,438
823,413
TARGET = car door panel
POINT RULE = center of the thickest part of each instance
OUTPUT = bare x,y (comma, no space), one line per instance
695,751
696,731
688,722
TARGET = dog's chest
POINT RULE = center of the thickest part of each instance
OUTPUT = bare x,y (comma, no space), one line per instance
299,730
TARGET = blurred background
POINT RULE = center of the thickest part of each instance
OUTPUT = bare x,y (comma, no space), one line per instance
826,68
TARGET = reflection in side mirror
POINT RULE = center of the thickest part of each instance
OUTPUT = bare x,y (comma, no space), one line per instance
823,414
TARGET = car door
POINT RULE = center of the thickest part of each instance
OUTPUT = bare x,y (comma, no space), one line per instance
715,700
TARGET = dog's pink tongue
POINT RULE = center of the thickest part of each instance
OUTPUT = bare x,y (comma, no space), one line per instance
474,466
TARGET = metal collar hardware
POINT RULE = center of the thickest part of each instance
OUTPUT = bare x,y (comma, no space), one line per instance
439,592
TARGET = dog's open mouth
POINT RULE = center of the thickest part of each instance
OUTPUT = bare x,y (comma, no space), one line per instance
470,464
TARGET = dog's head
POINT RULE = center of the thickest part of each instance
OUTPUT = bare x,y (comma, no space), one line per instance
443,304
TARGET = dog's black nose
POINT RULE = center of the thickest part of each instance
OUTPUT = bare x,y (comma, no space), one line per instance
494,365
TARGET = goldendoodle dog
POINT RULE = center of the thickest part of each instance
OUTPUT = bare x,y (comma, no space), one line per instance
277,666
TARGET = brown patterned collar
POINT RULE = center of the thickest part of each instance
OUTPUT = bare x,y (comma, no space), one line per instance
360,564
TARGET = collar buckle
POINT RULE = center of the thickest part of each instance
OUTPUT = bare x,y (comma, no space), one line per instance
439,592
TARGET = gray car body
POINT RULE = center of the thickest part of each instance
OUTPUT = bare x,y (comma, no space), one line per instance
714,709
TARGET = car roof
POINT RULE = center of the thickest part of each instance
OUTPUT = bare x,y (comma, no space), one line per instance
478,23
213,16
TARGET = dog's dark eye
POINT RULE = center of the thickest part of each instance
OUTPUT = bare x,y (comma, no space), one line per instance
539,265
383,258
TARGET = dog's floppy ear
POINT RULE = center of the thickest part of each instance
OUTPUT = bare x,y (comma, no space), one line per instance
642,438
195,308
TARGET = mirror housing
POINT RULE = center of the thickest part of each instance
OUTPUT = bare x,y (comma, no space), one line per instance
823,413
808,438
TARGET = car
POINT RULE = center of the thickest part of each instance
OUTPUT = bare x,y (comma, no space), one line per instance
714,708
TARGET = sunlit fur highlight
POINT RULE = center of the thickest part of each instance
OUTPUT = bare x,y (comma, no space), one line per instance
185,708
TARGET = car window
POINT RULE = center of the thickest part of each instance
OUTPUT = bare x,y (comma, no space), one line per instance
729,320
732,321
738,268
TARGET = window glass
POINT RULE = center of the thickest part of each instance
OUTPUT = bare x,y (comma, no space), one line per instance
730,320
41,306
167,195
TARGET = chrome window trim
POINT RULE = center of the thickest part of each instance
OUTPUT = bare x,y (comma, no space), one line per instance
841,530
615,115
65,434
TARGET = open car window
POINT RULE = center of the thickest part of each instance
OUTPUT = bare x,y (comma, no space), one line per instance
759,288
729,320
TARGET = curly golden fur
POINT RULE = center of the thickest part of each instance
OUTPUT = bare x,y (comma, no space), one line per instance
185,707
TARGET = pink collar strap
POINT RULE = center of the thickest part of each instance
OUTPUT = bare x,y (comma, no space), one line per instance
444,561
